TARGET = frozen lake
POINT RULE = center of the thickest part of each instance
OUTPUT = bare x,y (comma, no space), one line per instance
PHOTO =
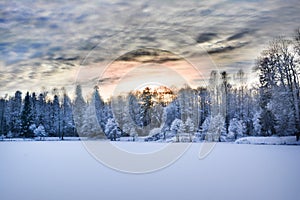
53,170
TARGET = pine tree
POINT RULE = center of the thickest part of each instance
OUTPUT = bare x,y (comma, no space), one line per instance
48,118
111,130
102,109
145,106
27,118
68,126
91,127
33,102
3,107
236,129
79,110
40,105
13,114
56,116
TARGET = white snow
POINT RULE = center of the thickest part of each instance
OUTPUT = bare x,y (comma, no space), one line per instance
54,170
42,138
274,140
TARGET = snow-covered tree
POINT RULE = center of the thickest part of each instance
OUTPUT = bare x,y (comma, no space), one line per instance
283,112
68,125
3,124
103,110
27,118
48,118
79,110
214,92
177,127
189,127
257,123
135,110
91,127
145,106
155,131
111,129
278,75
40,107
13,114
171,112
204,105
225,90
133,133
40,132
156,113
236,129
214,127
56,117
204,128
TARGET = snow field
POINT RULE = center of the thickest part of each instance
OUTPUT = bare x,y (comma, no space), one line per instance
65,170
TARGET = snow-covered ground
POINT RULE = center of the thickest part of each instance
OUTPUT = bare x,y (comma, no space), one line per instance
65,170
289,140
41,139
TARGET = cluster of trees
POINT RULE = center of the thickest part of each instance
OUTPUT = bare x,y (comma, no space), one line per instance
278,68
228,108
36,116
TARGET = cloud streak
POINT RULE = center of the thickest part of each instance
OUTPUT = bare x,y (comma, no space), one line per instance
227,48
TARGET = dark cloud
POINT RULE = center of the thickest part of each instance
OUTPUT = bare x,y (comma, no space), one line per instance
148,38
226,49
206,12
240,35
147,55
107,80
67,58
206,37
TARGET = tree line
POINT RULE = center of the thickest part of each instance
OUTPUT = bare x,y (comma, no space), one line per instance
224,110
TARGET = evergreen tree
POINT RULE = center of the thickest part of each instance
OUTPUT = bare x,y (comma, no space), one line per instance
236,129
56,116
79,110
3,127
68,126
102,109
27,118
91,127
145,106
40,105
13,115
111,130
40,132
33,102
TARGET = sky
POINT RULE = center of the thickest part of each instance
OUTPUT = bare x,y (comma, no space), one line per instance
47,44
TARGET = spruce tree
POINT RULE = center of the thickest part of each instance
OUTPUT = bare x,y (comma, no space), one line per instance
27,118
